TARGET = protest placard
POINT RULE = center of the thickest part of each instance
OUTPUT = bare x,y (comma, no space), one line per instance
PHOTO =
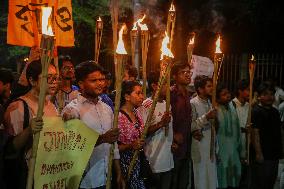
63,152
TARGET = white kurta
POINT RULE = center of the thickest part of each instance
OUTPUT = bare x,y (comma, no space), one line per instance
205,171
242,111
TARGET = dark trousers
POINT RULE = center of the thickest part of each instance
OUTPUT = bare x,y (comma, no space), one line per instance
161,180
181,174
245,182
264,174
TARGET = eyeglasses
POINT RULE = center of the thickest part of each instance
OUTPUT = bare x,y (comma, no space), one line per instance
185,72
68,68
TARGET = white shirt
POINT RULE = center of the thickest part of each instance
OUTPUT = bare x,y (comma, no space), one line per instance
279,95
158,145
242,111
98,117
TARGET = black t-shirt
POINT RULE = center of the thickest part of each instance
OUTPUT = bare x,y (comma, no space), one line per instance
267,120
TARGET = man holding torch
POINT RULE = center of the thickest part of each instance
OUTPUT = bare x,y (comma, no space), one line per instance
97,115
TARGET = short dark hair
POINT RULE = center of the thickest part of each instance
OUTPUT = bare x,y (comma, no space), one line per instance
132,71
153,78
265,86
179,66
63,58
6,76
127,87
242,85
200,82
34,69
220,87
83,69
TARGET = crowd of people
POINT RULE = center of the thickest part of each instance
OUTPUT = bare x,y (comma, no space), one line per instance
195,145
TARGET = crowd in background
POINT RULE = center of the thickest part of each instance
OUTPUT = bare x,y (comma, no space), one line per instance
194,145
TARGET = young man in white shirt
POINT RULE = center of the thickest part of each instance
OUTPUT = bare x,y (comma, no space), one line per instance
241,104
204,168
158,144
97,115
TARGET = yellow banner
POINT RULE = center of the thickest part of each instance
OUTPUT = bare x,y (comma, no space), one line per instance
24,22
63,153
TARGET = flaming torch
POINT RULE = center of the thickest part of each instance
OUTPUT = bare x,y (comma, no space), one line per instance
190,48
218,58
252,64
170,31
114,22
99,33
166,64
144,46
121,59
47,46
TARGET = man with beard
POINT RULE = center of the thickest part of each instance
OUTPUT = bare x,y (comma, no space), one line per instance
205,172
89,108
181,112
67,92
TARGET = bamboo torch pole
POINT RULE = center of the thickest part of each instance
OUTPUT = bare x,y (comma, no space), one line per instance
47,45
145,37
121,57
114,21
190,48
170,31
252,64
99,33
133,39
218,57
166,64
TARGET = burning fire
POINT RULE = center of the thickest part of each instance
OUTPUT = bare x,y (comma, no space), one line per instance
252,58
99,20
46,21
218,43
165,50
191,41
120,45
139,23
172,8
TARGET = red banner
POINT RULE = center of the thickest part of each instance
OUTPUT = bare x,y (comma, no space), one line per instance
24,22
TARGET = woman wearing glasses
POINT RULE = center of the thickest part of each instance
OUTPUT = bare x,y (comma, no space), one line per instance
18,118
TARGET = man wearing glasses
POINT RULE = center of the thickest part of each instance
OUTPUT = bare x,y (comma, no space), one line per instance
181,113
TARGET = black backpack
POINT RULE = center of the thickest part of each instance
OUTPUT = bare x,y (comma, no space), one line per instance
15,165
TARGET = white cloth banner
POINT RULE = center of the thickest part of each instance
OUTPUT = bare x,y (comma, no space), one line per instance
201,66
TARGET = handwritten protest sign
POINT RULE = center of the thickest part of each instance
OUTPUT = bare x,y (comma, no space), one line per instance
201,66
24,22
63,153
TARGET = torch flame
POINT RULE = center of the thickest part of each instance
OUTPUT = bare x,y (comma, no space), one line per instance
172,8
165,50
46,21
218,44
139,23
120,45
191,41
252,58
99,20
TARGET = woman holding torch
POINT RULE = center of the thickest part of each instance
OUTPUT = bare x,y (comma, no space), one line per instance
20,126
131,125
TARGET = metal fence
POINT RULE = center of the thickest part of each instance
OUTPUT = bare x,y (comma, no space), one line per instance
268,66
235,67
